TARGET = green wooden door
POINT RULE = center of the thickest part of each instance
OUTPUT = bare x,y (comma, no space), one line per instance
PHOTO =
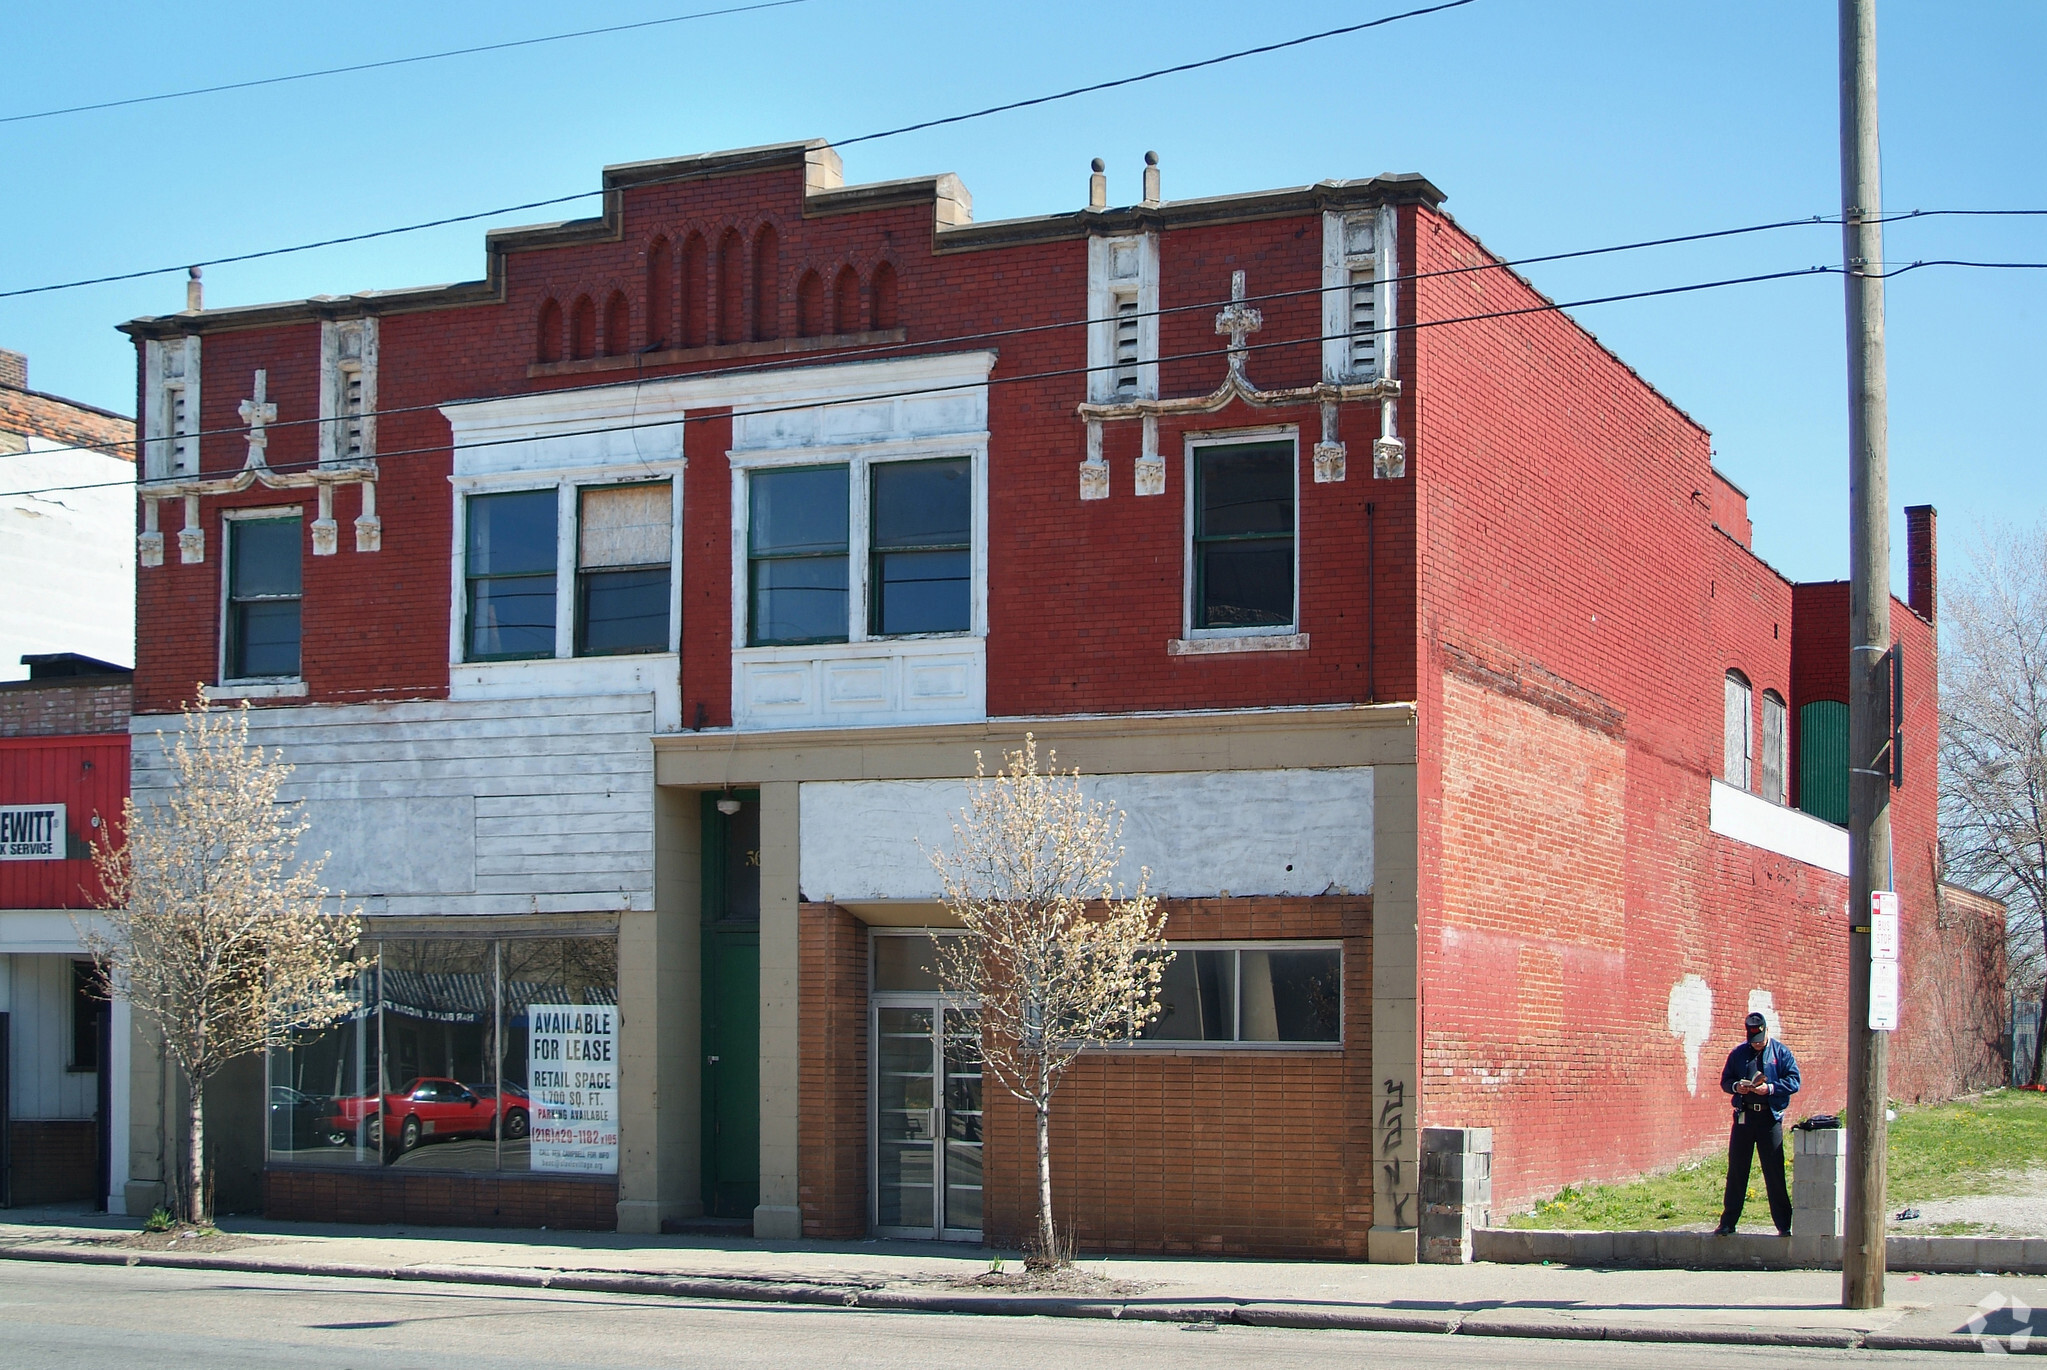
731,1006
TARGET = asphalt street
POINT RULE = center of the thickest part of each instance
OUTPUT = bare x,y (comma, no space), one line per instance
94,1318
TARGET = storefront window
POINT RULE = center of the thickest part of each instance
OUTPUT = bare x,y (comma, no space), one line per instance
466,1054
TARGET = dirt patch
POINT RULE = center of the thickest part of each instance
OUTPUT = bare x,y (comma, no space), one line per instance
1070,1280
2018,1208
184,1239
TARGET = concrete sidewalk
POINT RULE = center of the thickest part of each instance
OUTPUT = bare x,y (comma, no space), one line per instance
1784,1308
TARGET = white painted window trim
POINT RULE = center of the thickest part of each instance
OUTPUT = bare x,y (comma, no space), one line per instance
1102,293
158,429
860,460
566,483
1184,1047
1271,638
333,388
255,687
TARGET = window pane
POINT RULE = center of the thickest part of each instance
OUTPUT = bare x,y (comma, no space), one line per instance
323,1089
906,963
265,557
1247,584
511,616
560,1065
1246,490
800,600
1293,996
1197,999
799,511
624,526
923,592
922,504
263,638
512,534
439,1028
625,611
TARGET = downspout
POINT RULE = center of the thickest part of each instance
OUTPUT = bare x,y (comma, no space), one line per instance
1371,606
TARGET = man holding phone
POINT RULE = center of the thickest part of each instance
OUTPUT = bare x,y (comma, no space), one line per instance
1761,1076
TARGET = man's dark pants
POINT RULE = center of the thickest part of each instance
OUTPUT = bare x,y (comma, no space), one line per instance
1756,1132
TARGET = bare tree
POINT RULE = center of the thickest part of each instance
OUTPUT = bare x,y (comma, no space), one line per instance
1993,772
213,933
1055,954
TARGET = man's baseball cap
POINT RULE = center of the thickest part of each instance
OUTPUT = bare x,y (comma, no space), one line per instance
1757,1023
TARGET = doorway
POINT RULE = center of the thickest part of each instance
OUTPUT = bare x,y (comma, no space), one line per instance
731,1004
925,1098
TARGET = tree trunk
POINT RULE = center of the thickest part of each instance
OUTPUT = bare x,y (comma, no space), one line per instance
195,1136
1047,1234
2040,1038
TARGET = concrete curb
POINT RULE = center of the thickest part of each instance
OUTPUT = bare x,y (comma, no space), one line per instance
880,1299
1684,1250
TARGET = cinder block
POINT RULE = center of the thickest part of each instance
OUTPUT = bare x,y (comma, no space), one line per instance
1830,1141
1551,1245
1679,1248
1505,1245
1592,1248
1635,1248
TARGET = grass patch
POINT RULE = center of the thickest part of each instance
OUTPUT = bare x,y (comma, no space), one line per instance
1936,1151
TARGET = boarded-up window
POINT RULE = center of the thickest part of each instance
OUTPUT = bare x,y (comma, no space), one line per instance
1739,737
622,561
1775,744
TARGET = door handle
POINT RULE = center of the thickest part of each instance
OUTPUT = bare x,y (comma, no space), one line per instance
711,1059
932,1123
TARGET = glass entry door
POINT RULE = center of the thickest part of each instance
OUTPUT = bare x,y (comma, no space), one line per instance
927,1118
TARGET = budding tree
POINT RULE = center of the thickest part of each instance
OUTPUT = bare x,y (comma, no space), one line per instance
1055,954
212,931
1993,743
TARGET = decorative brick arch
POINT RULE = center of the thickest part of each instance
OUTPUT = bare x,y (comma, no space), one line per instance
618,325
659,305
767,284
731,287
846,301
812,318
883,312
697,309
582,329
547,332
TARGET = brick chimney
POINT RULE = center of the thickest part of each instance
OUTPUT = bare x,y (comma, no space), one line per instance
13,369
1922,558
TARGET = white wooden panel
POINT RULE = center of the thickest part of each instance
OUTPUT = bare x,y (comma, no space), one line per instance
39,1029
861,684
486,806
1201,833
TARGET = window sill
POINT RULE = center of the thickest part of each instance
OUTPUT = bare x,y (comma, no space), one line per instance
1215,646
1218,1048
273,689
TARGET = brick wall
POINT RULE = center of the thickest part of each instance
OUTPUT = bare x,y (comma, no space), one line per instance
46,708
439,1199
1247,1152
53,1161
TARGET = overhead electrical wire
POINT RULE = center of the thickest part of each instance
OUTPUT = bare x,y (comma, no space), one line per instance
921,124
255,82
142,487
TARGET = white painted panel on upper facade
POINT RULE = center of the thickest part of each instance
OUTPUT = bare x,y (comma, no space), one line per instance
466,806
862,684
1789,832
1201,833
384,846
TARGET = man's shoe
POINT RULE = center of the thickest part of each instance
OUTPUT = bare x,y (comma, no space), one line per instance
1724,1230
1784,1232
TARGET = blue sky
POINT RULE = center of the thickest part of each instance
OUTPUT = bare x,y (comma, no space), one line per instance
1550,126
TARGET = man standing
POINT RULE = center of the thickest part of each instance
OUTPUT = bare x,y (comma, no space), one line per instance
1761,1076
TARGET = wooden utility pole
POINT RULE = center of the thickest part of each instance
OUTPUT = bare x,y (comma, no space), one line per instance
1869,611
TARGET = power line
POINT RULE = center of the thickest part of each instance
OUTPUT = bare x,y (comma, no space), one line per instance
393,62
739,166
1547,307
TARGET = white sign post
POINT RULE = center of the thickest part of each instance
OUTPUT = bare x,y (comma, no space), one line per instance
1883,960
572,1077
32,832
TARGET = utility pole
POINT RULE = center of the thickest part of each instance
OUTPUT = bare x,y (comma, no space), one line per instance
1869,613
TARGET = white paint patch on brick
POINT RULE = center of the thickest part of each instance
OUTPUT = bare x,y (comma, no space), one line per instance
1763,1002
1690,1016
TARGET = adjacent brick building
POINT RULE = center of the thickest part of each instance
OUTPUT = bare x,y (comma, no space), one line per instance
631,612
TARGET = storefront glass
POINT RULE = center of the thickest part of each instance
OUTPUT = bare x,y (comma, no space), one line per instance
467,1054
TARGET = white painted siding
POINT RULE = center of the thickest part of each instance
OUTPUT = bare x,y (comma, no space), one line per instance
39,1040
1200,833
1748,818
467,807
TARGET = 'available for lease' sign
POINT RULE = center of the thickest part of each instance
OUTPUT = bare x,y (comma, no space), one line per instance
31,832
572,1076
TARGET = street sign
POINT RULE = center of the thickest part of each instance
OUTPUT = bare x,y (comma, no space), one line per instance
1883,960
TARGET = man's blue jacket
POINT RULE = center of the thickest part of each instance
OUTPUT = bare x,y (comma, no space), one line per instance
1779,1067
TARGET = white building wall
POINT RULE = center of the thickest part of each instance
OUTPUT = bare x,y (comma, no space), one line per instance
494,806
67,557
1202,833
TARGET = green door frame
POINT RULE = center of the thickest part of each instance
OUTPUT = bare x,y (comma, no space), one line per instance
731,1006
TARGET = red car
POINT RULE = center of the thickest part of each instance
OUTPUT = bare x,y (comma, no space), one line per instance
432,1106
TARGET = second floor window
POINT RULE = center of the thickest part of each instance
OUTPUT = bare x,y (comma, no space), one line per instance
1738,741
623,554
922,548
798,540
262,599
1243,535
510,565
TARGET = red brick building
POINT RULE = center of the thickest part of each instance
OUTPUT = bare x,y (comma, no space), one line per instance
631,612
